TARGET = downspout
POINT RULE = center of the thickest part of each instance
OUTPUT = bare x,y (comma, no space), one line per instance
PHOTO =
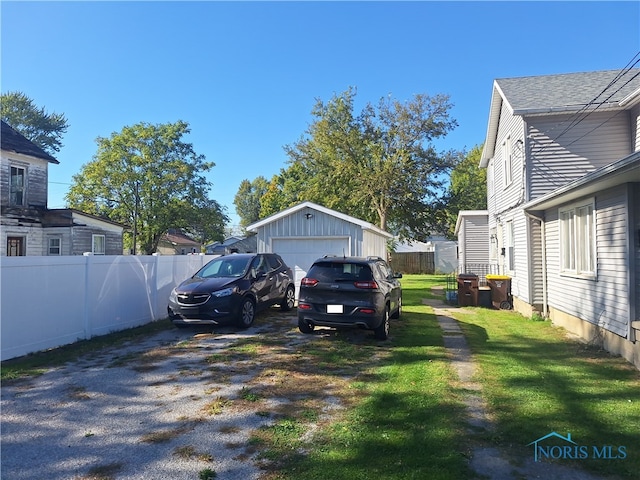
543,241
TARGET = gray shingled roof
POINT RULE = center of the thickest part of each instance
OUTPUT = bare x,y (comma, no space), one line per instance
12,141
567,90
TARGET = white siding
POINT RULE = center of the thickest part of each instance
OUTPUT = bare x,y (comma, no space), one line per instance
36,181
635,127
473,241
558,158
33,238
520,274
634,273
374,245
318,225
604,301
501,198
535,262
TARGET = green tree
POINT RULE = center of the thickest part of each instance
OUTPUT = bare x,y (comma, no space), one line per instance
380,164
42,128
285,190
147,177
467,188
248,198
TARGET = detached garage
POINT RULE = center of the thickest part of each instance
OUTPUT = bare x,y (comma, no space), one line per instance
307,231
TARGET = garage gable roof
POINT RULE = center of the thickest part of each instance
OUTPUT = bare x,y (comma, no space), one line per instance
313,206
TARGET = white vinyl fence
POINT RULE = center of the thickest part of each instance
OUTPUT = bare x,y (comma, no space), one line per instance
46,302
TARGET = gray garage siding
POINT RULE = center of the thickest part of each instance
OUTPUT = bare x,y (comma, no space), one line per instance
319,225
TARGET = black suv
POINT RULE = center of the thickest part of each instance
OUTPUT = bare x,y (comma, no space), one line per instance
232,288
349,292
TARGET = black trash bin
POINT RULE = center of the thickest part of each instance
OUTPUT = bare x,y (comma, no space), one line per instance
484,297
500,291
468,290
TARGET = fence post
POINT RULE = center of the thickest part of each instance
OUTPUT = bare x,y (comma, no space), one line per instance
85,299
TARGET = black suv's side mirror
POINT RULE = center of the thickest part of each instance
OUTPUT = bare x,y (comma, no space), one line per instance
397,275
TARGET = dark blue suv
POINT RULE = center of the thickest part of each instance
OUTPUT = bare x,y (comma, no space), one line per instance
349,292
231,288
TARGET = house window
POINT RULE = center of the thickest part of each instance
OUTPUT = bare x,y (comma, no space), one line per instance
577,240
98,243
54,247
15,247
511,261
17,186
506,161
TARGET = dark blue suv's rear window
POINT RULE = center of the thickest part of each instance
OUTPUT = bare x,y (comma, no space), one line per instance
339,271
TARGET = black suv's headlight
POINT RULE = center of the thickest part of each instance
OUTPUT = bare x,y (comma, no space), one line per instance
225,292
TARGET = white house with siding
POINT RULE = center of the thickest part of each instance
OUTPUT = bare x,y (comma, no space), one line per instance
563,219
28,226
307,231
472,231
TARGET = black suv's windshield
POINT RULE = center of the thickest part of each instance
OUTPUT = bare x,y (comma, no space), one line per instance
339,271
225,267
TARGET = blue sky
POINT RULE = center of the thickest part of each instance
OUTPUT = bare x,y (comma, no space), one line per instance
245,75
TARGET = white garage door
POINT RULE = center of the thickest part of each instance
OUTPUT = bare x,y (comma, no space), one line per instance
300,253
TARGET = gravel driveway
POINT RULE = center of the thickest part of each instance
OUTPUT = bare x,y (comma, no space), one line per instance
170,406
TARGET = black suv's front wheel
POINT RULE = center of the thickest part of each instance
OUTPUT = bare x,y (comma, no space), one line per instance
382,331
289,299
247,313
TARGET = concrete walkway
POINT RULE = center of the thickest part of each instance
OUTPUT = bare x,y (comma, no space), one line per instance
488,461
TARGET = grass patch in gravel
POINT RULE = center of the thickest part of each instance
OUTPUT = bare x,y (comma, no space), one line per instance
399,415
102,472
37,363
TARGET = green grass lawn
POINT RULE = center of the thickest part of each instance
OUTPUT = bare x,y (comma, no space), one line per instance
405,411
409,422
536,381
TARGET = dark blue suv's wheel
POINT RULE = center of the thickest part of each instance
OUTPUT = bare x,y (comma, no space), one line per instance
382,331
289,299
305,326
247,313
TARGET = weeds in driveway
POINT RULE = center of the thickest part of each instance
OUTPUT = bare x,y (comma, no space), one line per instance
37,363
207,474
216,406
187,452
398,416
102,472
163,436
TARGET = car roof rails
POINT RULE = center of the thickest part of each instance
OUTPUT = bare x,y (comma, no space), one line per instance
374,257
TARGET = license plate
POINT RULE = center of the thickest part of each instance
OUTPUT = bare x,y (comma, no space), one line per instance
334,309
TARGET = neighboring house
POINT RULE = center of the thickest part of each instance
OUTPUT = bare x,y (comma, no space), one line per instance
307,231
233,245
174,242
28,227
561,154
474,243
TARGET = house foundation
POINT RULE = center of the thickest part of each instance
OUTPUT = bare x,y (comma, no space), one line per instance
598,336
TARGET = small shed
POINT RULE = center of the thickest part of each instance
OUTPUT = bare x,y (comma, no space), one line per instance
472,230
307,231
